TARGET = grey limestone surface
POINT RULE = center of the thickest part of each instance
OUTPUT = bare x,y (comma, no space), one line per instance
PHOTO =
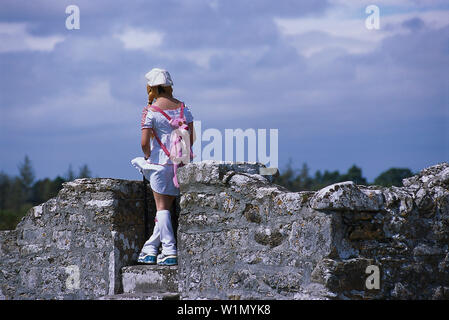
240,237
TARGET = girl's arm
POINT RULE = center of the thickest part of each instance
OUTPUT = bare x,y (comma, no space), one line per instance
145,142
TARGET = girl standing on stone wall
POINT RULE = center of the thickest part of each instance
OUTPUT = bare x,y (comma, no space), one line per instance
157,127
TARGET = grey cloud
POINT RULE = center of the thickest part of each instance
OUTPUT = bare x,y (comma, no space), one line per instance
330,101
413,24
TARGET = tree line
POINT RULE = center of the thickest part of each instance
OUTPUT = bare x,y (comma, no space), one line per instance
301,179
20,193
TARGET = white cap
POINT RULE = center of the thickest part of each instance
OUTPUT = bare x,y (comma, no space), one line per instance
159,77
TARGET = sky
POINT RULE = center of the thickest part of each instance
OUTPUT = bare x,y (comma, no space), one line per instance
339,93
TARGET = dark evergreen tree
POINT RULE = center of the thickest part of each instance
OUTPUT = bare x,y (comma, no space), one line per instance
393,177
5,186
70,174
354,174
286,177
26,173
84,172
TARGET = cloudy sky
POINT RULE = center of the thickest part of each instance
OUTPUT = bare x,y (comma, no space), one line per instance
338,93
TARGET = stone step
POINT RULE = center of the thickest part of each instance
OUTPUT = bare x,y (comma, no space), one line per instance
143,296
149,279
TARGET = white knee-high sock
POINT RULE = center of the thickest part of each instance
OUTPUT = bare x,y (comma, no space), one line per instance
151,246
167,236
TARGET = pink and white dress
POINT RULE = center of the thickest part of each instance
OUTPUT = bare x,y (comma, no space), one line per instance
161,173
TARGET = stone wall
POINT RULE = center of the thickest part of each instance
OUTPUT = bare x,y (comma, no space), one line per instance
73,246
242,237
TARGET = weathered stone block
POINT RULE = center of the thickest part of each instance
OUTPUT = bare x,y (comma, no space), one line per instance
73,246
278,244
346,196
149,278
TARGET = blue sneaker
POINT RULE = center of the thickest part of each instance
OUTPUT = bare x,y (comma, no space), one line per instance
170,260
146,258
